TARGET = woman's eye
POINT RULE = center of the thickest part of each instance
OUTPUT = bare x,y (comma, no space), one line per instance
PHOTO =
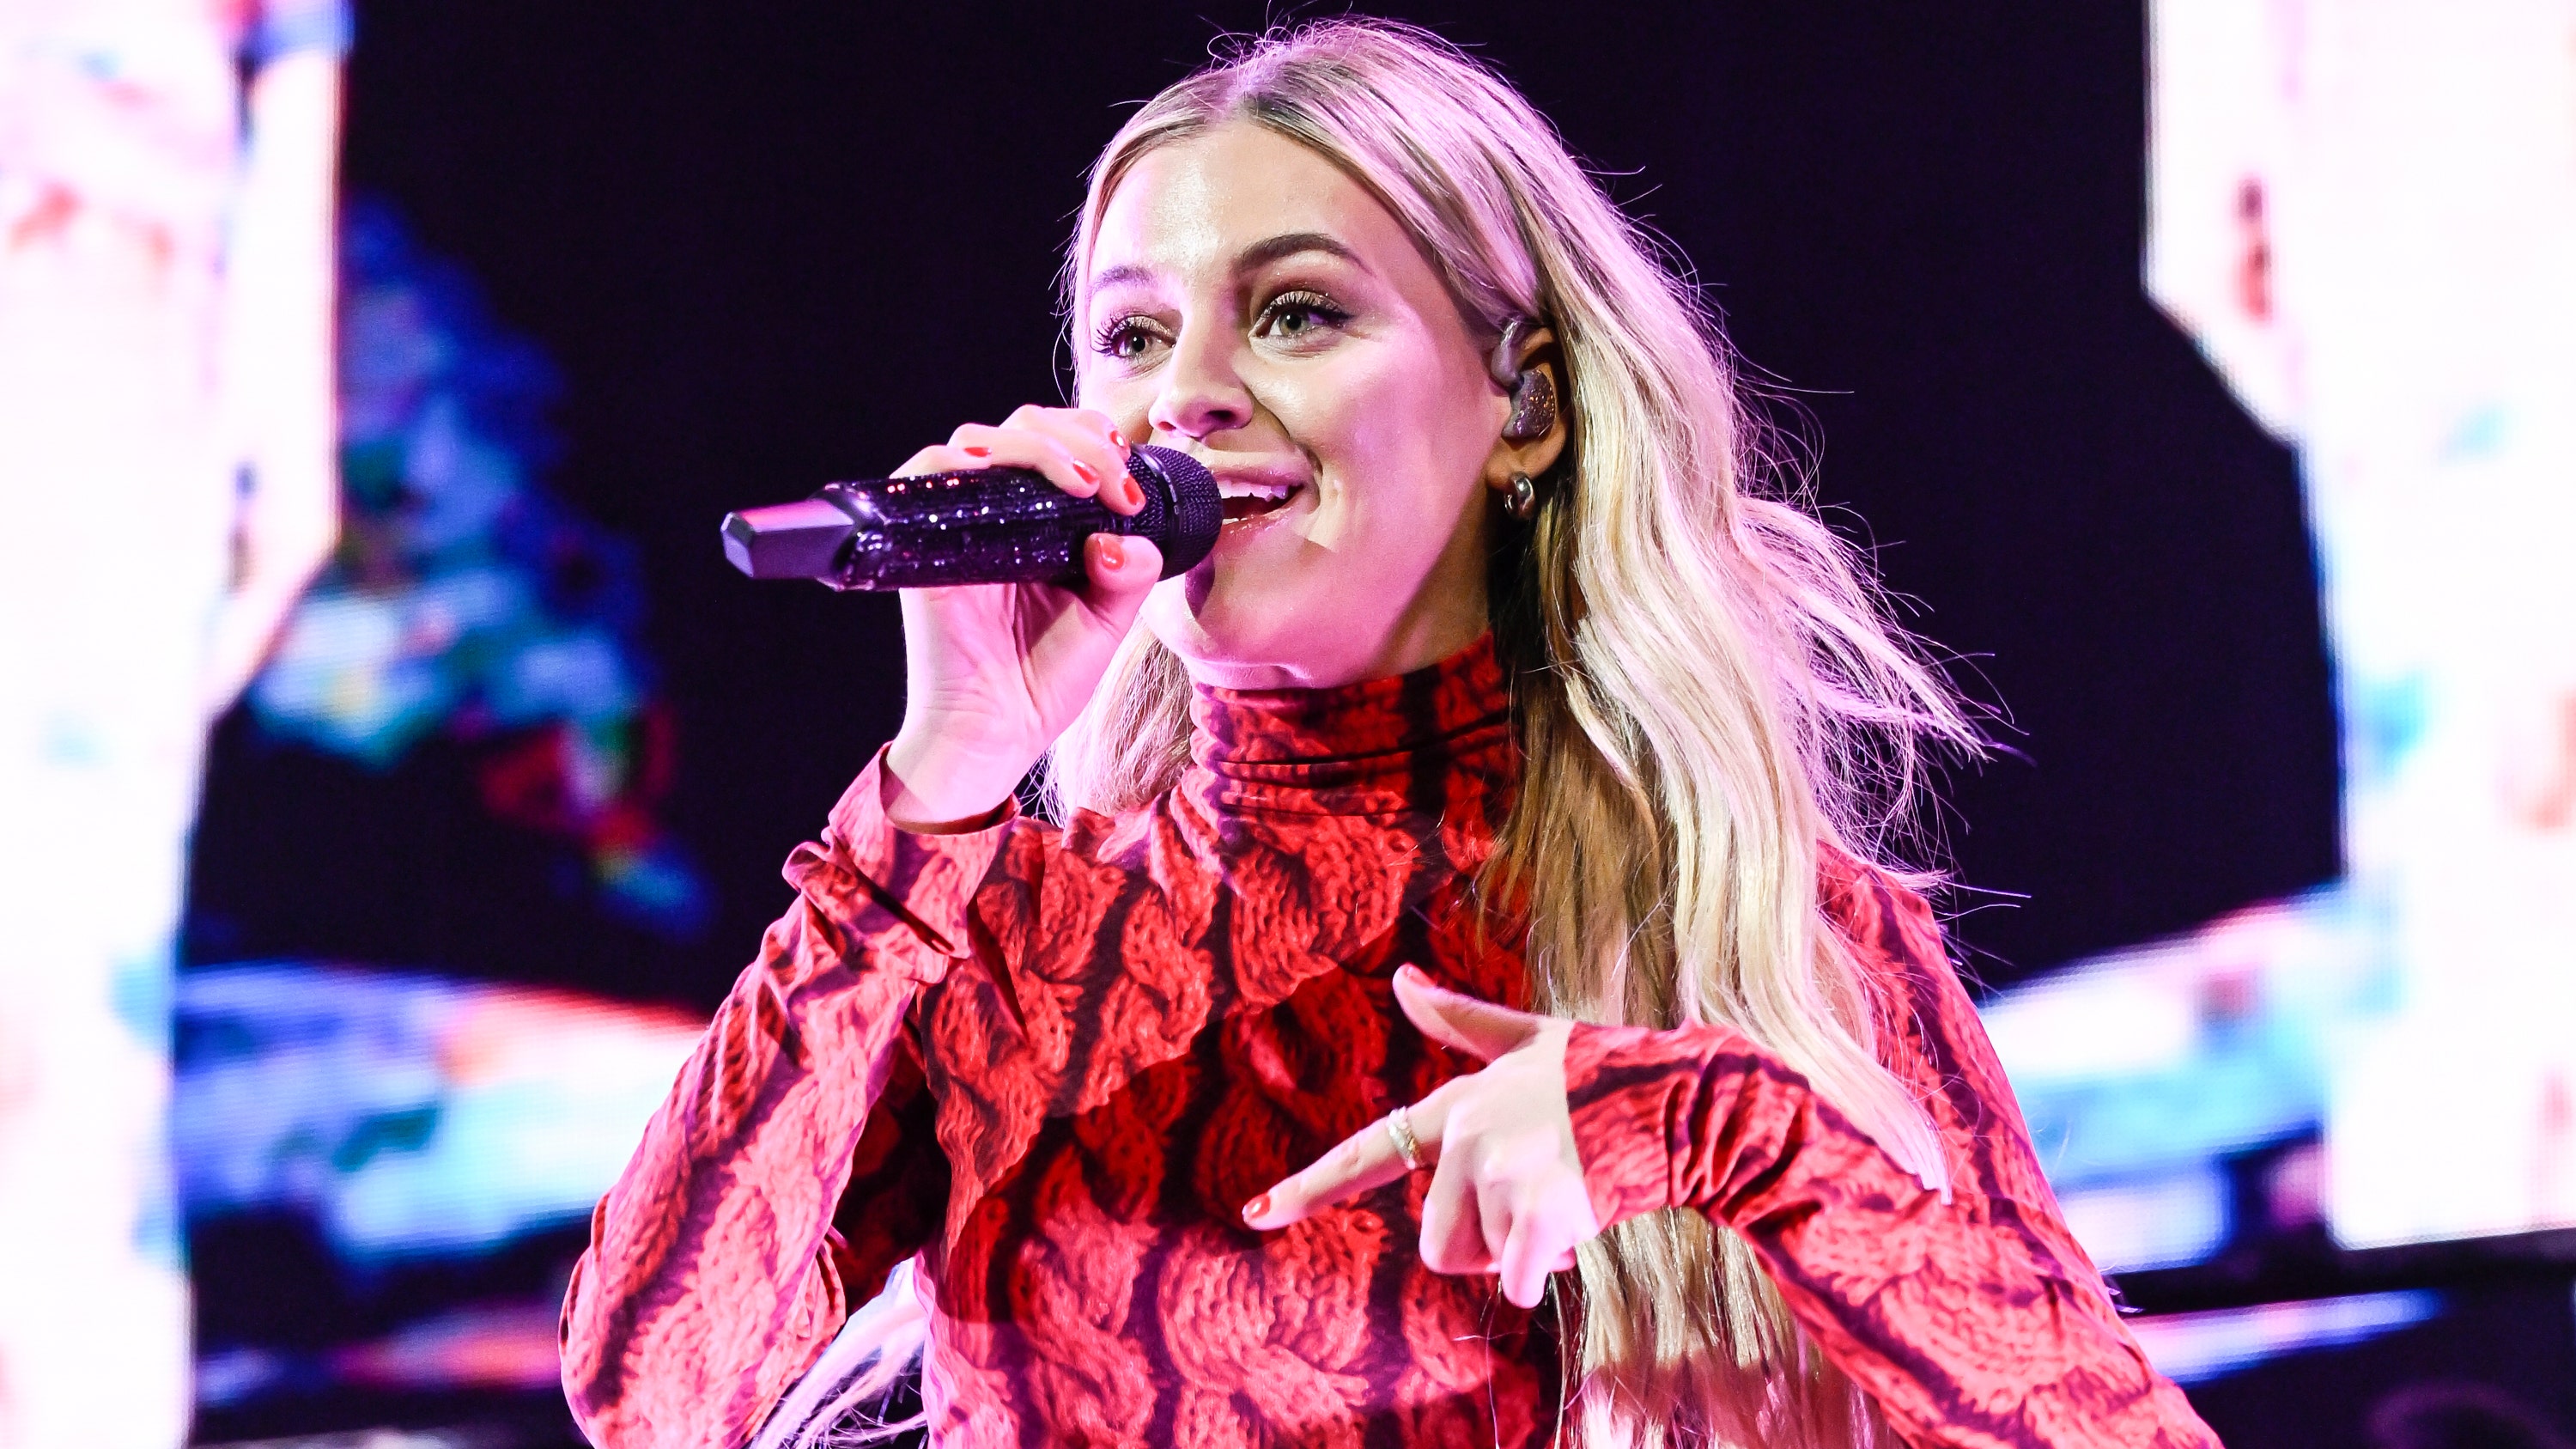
1125,339
1300,315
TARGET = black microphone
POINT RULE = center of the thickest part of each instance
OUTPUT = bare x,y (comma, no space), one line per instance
980,526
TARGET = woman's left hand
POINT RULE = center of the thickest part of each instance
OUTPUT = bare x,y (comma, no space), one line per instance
1507,1192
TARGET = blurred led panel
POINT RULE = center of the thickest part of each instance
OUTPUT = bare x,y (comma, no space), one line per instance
2192,1347
2364,211
410,1114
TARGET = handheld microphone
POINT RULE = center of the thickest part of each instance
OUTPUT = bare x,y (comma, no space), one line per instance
979,526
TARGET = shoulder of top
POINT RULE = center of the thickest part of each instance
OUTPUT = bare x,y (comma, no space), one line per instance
1926,1011
1839,873
1883,914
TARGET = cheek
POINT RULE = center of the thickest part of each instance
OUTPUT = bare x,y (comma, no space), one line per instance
1122,399
1391,437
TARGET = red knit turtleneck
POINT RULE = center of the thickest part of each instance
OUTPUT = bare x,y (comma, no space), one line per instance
1054,1064
1387,747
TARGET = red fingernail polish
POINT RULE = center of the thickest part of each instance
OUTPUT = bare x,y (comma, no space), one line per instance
1086,473
1135,495
1112,552
1257,1207
976,452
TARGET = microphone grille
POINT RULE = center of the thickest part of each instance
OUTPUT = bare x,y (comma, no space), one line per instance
1192,510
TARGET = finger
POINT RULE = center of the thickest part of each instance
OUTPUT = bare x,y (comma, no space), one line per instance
1453,1233
1084,425
1494,1221
1091,440
1366,1159
939,458
1122,571
1521,1264
1479,1028
991,447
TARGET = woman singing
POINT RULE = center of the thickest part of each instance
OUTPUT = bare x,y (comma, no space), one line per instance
1468,884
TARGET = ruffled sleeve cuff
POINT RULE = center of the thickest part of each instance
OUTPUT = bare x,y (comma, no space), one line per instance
1629,1089
1696,1116
900,893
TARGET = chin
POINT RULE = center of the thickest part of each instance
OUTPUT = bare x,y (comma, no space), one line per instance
1246,632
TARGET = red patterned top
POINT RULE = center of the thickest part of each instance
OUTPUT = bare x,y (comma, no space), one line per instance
1054,1064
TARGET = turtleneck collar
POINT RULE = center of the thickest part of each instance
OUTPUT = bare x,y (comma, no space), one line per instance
1385,746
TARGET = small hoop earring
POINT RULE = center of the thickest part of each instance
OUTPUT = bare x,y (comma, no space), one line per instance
1521,499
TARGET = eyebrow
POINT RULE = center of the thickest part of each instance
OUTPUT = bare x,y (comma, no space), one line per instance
1288,244
1252,259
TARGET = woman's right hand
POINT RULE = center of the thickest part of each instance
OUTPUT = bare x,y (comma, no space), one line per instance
994,672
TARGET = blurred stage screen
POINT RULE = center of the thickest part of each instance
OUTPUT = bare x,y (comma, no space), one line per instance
2364,213
420,1153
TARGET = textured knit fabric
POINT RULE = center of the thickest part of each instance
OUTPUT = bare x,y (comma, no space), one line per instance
1055,1064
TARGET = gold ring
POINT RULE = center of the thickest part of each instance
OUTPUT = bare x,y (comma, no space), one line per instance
1406,1146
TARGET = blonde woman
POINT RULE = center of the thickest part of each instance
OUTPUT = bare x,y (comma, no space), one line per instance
1465,886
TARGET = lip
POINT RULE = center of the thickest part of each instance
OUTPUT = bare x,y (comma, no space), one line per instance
1290,487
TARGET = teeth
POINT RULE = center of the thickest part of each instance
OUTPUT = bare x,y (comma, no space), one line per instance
1273,492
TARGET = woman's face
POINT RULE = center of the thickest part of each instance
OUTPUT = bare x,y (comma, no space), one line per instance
1248,303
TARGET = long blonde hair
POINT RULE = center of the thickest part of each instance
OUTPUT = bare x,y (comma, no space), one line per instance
1708,691
1707,688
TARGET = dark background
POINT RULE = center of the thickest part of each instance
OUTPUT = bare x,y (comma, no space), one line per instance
770,246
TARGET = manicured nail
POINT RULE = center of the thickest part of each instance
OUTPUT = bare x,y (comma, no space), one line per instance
1087,474
1258,1207
1135,494
976,452
1113,554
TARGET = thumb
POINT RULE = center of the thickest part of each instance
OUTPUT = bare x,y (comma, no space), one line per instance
1122,570
1479,1028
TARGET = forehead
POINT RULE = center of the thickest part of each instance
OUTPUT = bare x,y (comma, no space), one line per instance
1186,210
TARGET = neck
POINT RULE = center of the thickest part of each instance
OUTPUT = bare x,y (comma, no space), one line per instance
1419,639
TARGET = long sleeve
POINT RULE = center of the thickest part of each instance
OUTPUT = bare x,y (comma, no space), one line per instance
714,1277
1975,1321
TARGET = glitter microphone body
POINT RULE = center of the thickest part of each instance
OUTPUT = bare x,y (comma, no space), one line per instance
982,526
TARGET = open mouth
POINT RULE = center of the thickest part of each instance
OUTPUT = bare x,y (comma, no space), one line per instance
1250,499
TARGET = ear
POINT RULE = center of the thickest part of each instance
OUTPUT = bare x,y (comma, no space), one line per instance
1535,348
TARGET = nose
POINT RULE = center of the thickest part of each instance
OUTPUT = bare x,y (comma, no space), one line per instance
1202,393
